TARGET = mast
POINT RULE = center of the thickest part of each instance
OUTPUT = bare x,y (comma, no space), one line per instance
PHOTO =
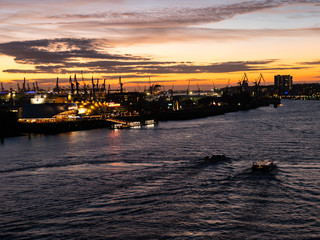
97,85
77,84
93,89
104,85
84,84
150,86
121,85
71,85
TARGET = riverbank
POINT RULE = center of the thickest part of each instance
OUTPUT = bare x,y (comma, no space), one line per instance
228,104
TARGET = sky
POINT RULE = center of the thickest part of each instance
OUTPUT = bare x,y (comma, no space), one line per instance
173,43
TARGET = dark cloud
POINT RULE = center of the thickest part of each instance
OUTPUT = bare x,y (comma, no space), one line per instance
57,51
67,56
129,76
177,16
311,63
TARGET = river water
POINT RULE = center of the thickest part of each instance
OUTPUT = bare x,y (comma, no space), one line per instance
152,183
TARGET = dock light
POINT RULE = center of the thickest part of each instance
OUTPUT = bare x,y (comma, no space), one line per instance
69,97
82,110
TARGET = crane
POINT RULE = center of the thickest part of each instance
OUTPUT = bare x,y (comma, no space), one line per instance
84,84
77,84
71,85
257,84
188,88
243,83
172,89
121,85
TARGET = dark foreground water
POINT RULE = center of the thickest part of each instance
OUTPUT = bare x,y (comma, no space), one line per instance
151,183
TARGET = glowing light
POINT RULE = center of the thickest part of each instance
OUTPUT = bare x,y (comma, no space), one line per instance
82,110
112,104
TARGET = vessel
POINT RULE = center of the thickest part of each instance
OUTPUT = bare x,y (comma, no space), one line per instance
264,165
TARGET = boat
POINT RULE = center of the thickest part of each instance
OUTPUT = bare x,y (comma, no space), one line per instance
264,165
215,158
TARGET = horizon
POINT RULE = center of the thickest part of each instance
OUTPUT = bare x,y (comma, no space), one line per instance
207,43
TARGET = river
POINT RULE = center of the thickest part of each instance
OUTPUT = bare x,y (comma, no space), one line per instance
152,182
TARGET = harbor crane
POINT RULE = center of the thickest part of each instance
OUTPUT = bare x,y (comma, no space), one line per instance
71,85
77,84
84,85
121,85
257,84
188,88
172,90
243,83
93,86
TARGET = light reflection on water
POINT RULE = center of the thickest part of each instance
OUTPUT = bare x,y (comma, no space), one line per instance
152,182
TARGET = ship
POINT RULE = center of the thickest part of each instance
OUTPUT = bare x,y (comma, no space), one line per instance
264,165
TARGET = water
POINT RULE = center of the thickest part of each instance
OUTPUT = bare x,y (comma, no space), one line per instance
152,183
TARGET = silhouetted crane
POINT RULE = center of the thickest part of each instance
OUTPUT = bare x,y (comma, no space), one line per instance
188,88
121,85
243,83
257,84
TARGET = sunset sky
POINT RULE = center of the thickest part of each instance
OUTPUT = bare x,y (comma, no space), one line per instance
173,42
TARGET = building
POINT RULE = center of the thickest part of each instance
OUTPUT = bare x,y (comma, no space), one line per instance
282,84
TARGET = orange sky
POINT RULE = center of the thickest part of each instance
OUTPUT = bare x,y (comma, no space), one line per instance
205,43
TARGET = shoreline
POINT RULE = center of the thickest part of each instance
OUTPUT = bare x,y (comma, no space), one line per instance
22,129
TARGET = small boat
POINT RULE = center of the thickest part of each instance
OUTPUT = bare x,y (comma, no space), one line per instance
215,158
264,165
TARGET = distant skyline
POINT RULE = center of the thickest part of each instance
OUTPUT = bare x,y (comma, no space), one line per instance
174,42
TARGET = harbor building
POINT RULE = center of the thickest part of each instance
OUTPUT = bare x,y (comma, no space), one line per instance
282,84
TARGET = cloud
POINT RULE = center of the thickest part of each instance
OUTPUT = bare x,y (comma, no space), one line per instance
69,56
57,51
176,16
310,63
158,25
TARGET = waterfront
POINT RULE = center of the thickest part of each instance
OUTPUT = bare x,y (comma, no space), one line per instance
152,183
